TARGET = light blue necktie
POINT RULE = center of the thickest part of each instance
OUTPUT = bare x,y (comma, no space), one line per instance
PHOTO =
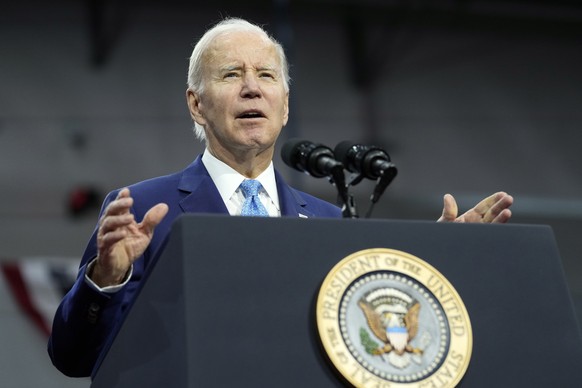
252,205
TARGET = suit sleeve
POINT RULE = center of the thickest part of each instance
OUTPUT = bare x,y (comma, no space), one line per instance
86,318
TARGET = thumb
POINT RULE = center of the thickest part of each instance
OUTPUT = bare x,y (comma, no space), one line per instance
153,217
450,209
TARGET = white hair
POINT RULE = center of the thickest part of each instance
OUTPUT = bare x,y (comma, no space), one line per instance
195,76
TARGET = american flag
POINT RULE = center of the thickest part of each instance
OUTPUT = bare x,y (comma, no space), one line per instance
38,284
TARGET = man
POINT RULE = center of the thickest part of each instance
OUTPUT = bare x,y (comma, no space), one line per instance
238,97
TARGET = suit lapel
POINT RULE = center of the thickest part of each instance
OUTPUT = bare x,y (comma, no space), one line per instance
204,196
291,203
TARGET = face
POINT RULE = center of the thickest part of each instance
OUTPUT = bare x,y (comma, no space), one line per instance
244,105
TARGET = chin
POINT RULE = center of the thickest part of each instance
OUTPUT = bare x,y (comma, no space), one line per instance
259,136
259,142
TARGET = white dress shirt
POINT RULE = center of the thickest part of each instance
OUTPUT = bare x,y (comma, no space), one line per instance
228,180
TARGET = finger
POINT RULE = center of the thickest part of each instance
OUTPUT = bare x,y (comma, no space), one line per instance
119,199
450,209
106,241
120,205
502,217
123,193
494,213
485,205
111,223
112,227
153,217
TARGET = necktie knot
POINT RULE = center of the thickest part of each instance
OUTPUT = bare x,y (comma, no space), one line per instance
252,205
250,187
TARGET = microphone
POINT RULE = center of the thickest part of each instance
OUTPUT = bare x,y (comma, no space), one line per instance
314,159
370,161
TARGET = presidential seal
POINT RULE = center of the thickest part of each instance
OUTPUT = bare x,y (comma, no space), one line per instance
389,319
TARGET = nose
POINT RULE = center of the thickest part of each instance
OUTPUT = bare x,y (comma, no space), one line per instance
250,87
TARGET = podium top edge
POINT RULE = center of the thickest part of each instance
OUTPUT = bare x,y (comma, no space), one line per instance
196,216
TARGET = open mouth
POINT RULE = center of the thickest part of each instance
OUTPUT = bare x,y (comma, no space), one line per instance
251,114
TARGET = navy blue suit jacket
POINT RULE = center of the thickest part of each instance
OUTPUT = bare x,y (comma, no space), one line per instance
86,318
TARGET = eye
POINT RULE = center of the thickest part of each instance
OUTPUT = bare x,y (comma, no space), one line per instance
268,75
231,74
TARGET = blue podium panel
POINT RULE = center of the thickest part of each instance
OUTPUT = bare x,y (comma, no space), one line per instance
231,302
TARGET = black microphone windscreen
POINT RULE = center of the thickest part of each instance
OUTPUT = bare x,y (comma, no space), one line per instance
289,152
341,151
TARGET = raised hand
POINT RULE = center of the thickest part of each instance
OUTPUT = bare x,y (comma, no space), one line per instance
121,240
493,209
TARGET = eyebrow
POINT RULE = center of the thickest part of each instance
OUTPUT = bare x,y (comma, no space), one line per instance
232,67
269,68
239,67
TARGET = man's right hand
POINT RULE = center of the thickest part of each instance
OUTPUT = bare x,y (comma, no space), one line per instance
121,240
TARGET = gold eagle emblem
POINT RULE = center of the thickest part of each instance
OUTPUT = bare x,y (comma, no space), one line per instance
392,316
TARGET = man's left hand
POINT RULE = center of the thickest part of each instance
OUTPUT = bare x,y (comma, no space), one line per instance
493,209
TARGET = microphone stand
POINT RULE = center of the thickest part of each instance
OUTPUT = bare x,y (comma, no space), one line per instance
347,200
381,183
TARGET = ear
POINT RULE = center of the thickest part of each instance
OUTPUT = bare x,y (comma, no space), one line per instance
194,105
286,109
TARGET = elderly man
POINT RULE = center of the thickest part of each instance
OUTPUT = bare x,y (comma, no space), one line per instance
238,97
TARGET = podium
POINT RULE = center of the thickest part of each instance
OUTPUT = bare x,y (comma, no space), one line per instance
231,302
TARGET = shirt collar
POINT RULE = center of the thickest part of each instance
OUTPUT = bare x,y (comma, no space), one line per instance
227,179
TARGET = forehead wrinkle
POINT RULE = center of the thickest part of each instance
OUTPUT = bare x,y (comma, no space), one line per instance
233,59
235,62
